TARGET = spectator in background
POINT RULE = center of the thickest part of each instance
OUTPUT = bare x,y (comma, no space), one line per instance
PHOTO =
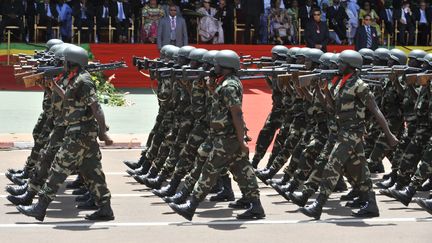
84,17
172,29
48,16
12,12
423,15
366,36
122,12
351,9
305,13
406,23
166,6
338,19
316,32
137,8
65,20
30,9
103,12
386,16
367,10
264,21
226,15
252,10
293,13
210,28
152,13
281,27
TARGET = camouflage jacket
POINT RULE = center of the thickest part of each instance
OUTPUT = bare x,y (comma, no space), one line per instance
46,104
227,94
57,104
408,102
198,100
391,101
277,96
422,107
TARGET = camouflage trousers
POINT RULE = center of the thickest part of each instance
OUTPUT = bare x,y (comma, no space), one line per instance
267,133
424,168
381,148
297,153
46,158
347,154
164,149
408,132
279,141
79,152
160,134
373,132
412,154
296,130
41,133
189,152
154,130
225,154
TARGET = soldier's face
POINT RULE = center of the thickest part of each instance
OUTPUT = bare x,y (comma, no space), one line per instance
412,62
343,67
300,60
390,62
218,69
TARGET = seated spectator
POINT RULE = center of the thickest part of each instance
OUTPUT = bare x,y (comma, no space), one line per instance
226,15
386,15
293,13
123,15
103,12
264,21
210,29
281,28
65,20
12,12
305,13
48,16
367,10
152,13
423,15
316,32
338,19
406,23
84,17
351,9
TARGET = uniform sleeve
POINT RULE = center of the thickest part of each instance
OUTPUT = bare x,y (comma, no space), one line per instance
231,97
88,93
363,92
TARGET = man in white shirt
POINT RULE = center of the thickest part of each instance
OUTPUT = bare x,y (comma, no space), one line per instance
423,15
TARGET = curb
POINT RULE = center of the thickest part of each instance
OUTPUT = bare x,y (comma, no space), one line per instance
29,145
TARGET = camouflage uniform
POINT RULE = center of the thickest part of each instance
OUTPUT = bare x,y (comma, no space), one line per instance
373,130
226,152
350,108
80,149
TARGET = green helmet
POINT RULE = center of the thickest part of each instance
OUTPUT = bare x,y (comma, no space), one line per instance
314,54
171,52
398,56
367,53
382,54
292,52
77,55
417,54
428,59
53,42
352,58
164,49
184,51
302,51
280,50
209,56
227,59
325,58
334,59
197,54
59,52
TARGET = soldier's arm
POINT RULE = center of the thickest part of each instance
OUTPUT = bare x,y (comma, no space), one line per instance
393,78
239,124
56,88
413,91
329,99
100,118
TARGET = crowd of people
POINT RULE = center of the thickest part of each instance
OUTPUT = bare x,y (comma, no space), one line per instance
213,21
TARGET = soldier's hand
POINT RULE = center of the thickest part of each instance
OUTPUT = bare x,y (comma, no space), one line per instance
392,140
104,137
244,147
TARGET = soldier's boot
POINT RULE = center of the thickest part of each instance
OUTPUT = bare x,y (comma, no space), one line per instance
90,204
226,194
370,209
427,186
255,211
351,195
341,185
80,191
178,198
156,183
75,184
375,166
359,201
16,190
426,204
255,163
300,198
279,182
18,181
24,199
241,203
83,198
153,171
22,175
15,171
388,182
266,174
38,210
315,209
104,213
135,165
405,195
217,187
170,189
288,188
387,192
187,209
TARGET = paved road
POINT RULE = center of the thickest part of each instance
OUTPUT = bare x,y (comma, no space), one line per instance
142,217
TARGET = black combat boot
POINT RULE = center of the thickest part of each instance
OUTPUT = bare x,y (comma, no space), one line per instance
153,171
350,196
279,182
156,183
16,190
18,181
90,204
135,165
266,174
104,213
370,209
187,210
14,171
25,199
226,194
375,167
426,204
286,189
38,210
359,201
255,211
388,182
315,209
341,185
405,195
387,192
241,203
75,184
83,198
178,198
300,198
427,186
255,163
170,189
23,175
217,187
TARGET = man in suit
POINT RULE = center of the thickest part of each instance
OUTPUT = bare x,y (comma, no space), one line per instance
366,35
12,12
306,13
338,18
103,12
84,13
30,9
48,16
423,15
172,29
252,10
137,6
386,15
226,15
122,11
406,23
316,32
